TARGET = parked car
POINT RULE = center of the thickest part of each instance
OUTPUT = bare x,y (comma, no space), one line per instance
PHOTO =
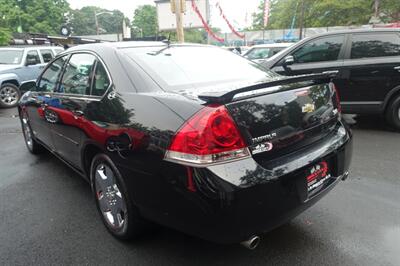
19,64
234,49
368,65
258,53
188,136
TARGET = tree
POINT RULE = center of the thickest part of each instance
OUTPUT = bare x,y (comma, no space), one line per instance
390,10
5,36
39,16
324,13
145,21
83,21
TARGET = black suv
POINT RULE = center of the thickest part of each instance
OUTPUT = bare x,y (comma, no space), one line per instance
368,65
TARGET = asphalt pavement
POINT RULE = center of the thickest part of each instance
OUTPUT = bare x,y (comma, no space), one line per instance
47,215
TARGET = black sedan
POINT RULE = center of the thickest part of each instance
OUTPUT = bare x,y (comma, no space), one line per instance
188,136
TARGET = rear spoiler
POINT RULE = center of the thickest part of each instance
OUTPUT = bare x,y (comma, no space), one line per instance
226,97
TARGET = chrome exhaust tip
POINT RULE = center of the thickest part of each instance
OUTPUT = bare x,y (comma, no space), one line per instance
251,243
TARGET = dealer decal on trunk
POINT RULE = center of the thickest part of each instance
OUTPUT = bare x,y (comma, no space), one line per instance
262,147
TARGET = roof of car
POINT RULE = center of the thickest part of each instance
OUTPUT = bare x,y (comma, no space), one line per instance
22,47
360,30
270,45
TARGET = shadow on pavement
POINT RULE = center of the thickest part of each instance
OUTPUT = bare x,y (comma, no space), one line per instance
368,122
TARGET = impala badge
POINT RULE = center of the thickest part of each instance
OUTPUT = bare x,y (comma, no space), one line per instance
308,108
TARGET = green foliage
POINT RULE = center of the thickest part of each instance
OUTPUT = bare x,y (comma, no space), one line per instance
191,35
5,36
83,21
324,13
390,10
145,21
195,36
39,16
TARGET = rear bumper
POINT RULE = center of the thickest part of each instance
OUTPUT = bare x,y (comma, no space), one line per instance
237,200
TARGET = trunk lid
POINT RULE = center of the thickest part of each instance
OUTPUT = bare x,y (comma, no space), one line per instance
286,120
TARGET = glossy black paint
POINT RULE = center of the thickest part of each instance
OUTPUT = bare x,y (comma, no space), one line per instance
134,123
366,85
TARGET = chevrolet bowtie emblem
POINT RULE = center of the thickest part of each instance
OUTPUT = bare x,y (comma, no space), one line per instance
308,108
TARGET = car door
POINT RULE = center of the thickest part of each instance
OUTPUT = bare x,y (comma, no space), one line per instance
317,55
41,99
33,66
72,98
372,68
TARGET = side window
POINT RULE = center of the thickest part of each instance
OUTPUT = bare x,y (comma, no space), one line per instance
258,53
77,75
101,81
47,55
320,50
32,58
375,45
49,79
275,51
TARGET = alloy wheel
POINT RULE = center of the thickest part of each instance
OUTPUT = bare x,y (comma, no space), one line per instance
110,199
9,95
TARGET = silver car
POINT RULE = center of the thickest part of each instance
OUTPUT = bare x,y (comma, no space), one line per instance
19,64
259,53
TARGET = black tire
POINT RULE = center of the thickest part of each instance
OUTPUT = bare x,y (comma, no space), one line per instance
133,224
393,113
33,146
9,95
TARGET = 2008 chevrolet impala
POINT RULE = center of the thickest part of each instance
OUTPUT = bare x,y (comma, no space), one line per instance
188,136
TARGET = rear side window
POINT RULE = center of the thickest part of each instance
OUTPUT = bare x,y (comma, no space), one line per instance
101,81
320,50
47,55
375,45
32,58
77,76
48,81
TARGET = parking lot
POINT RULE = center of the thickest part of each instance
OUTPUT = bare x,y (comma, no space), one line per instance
48,215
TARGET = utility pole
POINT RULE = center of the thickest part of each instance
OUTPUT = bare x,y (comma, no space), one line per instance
301,19
376,8
97,22
179,20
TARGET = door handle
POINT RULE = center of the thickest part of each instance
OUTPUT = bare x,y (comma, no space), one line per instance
397,68
78,113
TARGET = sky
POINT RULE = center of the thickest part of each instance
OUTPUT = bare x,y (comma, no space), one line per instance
235,10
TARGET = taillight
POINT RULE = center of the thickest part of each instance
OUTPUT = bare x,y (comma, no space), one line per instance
338,105
209,137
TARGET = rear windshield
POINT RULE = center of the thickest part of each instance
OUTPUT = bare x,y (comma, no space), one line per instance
10,56
195,66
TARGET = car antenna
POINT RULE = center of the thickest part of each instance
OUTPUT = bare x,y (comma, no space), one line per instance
168,41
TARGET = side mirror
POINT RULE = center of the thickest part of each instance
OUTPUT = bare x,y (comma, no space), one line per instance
289,60
30,61
27,86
